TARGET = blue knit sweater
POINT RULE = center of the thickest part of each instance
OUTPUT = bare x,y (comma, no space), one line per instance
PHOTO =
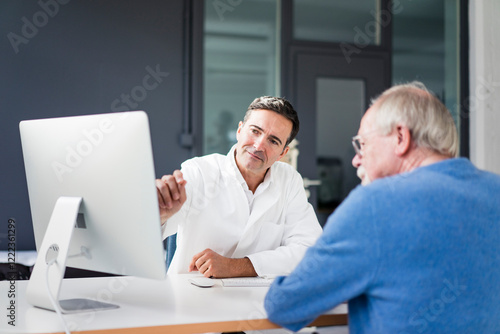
414,253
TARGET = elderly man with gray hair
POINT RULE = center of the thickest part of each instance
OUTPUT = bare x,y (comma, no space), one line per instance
415,250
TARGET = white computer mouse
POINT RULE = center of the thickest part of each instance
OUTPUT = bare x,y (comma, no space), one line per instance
202,282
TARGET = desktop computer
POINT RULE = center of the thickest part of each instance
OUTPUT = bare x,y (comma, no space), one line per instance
93,200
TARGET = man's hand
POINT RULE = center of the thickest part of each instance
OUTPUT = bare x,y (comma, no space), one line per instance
171,194
211,264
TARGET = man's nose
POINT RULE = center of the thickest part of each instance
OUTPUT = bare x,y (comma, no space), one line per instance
258,143
356,161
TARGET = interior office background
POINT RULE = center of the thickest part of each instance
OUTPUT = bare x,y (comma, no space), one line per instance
194,66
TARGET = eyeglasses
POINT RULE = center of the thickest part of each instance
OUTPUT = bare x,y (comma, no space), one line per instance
356,143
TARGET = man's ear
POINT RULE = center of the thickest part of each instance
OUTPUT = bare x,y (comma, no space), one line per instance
285,151
404,141
240,125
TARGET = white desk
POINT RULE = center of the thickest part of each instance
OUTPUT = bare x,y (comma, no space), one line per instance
149,306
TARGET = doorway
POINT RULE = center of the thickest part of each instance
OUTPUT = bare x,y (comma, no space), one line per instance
331,95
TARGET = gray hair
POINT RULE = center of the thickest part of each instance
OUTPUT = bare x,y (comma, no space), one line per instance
429,121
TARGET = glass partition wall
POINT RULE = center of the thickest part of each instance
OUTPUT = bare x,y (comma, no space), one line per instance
240,63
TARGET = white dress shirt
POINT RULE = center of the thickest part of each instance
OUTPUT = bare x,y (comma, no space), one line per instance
273,227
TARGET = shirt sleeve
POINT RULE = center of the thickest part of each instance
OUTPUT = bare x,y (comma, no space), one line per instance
301,231
337,268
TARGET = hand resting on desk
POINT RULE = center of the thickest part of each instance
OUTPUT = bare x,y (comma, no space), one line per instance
211,264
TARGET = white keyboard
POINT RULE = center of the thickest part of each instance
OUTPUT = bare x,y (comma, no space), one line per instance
247,281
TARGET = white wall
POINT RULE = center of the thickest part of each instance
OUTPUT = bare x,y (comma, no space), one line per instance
485,84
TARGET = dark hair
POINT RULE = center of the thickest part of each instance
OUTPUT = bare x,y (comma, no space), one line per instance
278,105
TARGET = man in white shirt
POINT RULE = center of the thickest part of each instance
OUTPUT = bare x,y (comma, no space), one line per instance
244,214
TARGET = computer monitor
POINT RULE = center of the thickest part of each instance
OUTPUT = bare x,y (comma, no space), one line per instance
93,199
